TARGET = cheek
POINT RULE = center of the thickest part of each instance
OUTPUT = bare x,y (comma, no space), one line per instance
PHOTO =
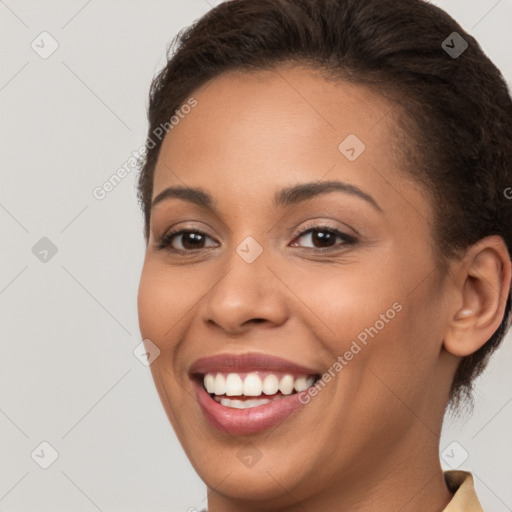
150,305
368,313
345,302
163,300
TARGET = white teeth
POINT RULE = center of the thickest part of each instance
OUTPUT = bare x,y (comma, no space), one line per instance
234,385
209,382
220,384
303,383
270,384
243,404
286,385
252,385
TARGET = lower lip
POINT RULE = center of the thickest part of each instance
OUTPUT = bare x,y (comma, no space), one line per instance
246,421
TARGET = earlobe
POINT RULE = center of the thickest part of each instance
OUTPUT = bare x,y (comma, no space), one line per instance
482,290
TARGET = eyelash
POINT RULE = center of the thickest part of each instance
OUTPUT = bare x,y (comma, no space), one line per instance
166,240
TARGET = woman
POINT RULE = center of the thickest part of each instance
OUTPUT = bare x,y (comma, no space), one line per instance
328,249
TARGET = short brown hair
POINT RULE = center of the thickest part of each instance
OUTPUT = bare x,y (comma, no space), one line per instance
459,107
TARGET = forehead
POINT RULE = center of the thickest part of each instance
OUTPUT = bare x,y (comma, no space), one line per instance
262,130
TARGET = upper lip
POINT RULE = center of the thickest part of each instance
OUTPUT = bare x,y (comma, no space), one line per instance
248,362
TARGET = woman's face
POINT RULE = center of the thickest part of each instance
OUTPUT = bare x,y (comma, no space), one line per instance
358,287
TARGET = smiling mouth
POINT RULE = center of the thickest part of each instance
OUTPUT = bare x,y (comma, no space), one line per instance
243,394
248,390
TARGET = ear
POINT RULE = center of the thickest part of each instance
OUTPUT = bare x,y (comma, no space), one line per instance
482,280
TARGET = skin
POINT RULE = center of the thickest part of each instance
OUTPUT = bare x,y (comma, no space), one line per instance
369,440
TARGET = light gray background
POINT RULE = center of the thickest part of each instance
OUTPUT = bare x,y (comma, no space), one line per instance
69,326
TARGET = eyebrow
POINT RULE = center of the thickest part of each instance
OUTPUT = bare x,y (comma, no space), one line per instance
285,197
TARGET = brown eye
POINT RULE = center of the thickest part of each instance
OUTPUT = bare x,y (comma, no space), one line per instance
323,238
191,240
185,240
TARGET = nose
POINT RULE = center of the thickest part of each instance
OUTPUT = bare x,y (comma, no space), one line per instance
247,294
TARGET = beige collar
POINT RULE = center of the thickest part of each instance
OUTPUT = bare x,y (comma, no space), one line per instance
465,498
